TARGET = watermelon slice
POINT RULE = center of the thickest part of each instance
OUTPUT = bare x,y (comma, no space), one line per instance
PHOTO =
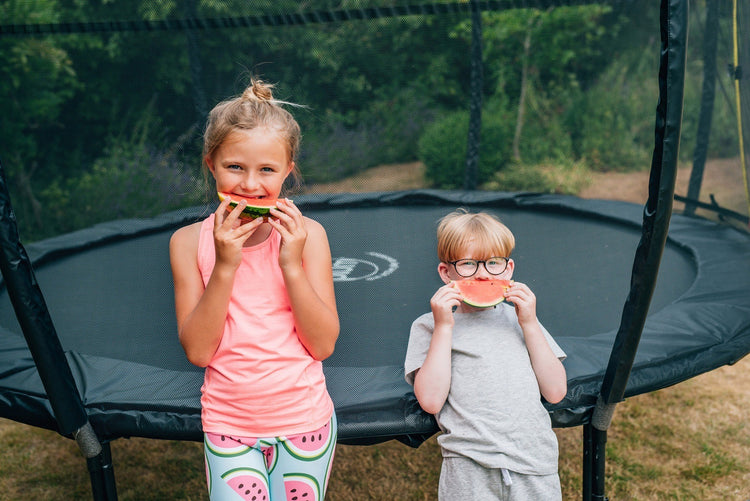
309,446
482,293
250,484
224,446
301,487
256,207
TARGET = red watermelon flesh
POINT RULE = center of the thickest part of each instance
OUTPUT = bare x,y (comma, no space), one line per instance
482,293
301,487
225,446
309,446
250,484
256,207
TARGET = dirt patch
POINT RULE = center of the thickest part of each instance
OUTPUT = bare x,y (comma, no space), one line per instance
406,176
688,441
722,179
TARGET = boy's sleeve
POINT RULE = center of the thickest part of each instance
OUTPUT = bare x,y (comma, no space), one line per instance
419,342
559,353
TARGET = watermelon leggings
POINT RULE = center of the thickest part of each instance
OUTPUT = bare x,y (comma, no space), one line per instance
296,467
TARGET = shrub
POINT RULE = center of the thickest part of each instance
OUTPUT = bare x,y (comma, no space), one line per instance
129,181
384,134
612,130
442,147
567,178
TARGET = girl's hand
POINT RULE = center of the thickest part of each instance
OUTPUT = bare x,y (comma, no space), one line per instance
524,301
230,233
289,222
445,299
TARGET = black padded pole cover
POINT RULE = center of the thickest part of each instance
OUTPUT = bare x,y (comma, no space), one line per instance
34,319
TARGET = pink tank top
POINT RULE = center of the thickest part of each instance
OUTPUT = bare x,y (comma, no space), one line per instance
261,382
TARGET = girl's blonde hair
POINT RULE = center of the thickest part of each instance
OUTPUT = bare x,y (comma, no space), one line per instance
461,228
256,107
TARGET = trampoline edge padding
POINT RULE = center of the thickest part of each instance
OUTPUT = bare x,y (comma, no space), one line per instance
705,326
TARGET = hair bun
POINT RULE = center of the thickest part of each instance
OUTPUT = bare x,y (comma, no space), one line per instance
258,91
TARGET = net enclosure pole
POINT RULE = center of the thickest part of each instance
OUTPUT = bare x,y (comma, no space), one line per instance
44,344
656,216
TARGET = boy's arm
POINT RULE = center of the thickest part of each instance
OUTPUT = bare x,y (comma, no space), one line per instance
432,381
549,370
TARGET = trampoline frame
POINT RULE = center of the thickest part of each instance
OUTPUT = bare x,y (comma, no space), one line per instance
71,415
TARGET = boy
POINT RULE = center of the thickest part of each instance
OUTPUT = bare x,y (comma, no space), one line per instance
481,372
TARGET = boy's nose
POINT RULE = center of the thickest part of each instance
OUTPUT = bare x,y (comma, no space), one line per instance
482,273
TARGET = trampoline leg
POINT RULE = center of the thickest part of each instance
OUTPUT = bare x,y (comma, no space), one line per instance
594,454
102,474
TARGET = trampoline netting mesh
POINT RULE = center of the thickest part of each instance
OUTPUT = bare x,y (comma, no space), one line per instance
102,162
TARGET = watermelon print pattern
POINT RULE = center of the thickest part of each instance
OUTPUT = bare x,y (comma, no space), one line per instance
309,446
250,484
300,487
293,468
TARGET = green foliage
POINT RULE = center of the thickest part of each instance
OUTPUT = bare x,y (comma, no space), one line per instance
610,130
442,147
133,178
378,91
567,178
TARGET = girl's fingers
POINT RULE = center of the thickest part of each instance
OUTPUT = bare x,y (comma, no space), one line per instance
221,211
286,211
224,214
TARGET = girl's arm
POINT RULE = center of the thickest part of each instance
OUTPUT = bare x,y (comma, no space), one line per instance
311,292
201,311
549,370
305,261
432,381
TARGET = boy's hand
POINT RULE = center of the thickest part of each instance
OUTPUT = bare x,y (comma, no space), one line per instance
524,301
445,299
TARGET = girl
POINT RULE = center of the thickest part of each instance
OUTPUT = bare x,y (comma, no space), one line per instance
255,306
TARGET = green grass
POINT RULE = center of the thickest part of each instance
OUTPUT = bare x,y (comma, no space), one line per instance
686,443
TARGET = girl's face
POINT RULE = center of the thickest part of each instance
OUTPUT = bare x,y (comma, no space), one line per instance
252,163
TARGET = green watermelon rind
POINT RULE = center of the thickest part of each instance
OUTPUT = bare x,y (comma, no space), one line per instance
255,474
250,211
208,472
483,304
305,479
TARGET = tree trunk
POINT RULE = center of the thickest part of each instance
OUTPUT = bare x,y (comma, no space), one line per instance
475,108
522,96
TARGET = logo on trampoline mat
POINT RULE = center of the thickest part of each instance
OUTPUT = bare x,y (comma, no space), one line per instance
349,269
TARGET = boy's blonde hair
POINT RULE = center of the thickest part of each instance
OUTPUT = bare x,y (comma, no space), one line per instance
460,228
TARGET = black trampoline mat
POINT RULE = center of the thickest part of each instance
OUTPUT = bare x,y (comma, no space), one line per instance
109,292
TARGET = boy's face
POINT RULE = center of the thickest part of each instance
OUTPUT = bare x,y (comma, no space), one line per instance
448,272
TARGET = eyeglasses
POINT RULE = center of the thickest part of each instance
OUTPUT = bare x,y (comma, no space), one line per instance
467,267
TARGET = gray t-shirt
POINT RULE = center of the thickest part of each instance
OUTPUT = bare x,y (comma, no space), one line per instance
493,414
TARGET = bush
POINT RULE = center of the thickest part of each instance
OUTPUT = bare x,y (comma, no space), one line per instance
612,130
442,147
384,134
567,178
129,181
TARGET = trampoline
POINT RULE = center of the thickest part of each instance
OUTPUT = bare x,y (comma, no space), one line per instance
109,292
96,356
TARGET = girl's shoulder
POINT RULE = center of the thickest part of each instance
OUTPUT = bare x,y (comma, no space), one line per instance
313,223
187,236
315,229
